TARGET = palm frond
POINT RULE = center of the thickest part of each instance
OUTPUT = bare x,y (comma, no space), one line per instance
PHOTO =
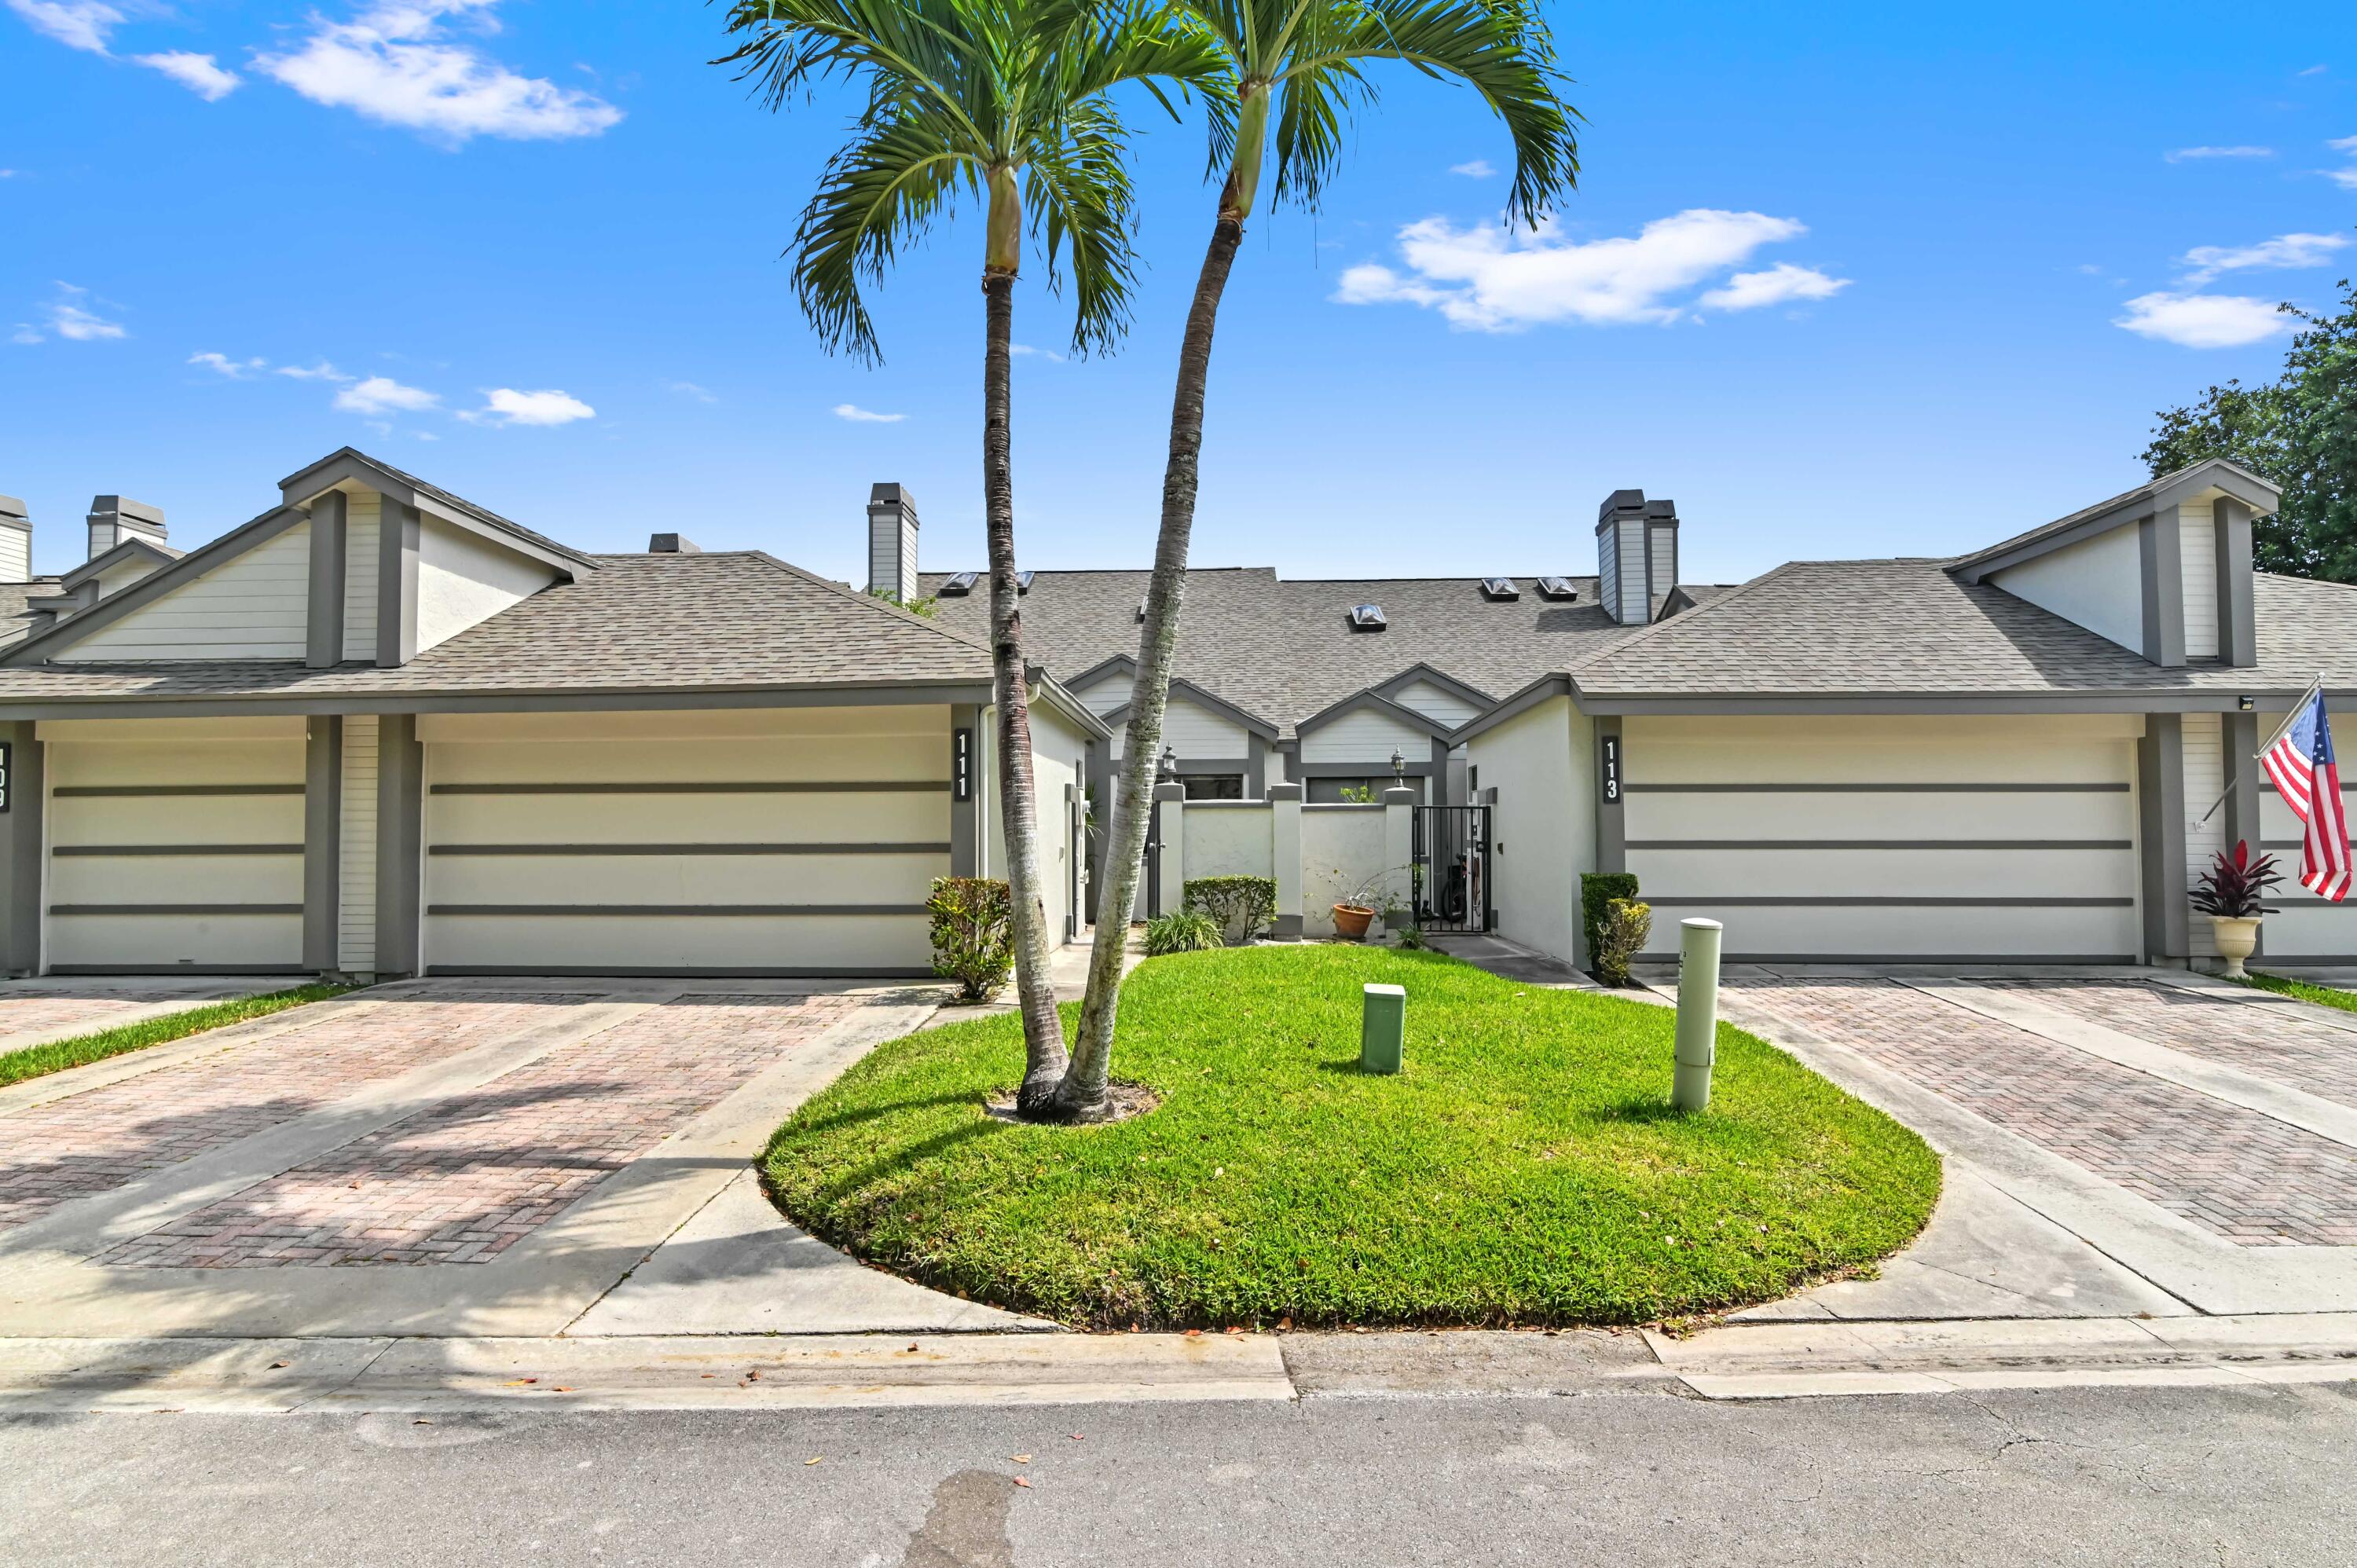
877,195
1083,207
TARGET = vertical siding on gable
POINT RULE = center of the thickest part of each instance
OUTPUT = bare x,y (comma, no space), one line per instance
1635,609
1106,695
1438,705
464,579
356,855
363,514
255,605
2205,777
2198,529
1665,546
1368,736
1608,572
1194,731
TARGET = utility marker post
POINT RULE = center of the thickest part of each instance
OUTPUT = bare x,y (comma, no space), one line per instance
1383,1029
1698,942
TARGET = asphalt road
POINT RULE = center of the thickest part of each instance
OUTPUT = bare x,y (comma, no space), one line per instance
2151,1475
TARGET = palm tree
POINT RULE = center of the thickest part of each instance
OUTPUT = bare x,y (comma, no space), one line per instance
1006,103
1294,71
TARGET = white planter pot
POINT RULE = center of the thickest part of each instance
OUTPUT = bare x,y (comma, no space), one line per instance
2236,935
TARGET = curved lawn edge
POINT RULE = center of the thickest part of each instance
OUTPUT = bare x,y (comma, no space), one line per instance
1525,1170
29,1062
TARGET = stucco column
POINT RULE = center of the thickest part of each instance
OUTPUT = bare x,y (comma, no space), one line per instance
323,838
1285,853
324,633
1171,808
2161,834
1399,849
965,816
1611,774
20,853
400,849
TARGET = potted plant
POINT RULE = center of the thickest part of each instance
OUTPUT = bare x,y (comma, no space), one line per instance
1370,898
2229,893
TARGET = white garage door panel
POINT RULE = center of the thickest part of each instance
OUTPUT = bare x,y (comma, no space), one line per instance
1852,931
1660,813
913,816
2306,928
767,944
588,878
815,759
1967,871
163,942
118,798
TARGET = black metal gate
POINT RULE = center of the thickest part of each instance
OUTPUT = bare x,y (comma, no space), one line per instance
1152,881
1450,868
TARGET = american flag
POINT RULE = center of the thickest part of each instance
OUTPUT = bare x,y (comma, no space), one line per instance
2301,762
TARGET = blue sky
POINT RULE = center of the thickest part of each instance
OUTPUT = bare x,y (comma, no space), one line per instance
1842,280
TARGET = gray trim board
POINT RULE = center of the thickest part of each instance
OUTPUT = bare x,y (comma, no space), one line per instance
323,639
1256,768
1612,816
2160,822
21,866
1815,844
162,555
711,786
1374,700
1658,787
1421,671
2140,502
650,910
2238,638
323,799
2160,554
616,699
146,851
396,584
2172,700
169,791
96,969
1767,901
175,909
400,828
686,849
41,646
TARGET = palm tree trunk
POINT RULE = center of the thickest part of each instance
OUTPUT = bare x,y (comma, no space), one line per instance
1081,1096
1043,1029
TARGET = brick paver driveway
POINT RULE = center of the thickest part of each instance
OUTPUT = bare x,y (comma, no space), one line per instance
2231,1110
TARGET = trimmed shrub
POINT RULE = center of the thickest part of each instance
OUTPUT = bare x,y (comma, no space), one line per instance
1597,889
1186,930
971,941
1243,905
1627,924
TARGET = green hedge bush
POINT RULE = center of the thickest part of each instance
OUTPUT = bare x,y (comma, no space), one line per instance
1597,891
1243,905
971,941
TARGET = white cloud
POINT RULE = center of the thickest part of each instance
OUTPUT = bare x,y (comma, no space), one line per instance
200,74
2203,321
25,332
858,416
2183,155
76,24
395,63
689,389
74,322
322,372
2346,178
1779,285
2345,144
235,370
2283,251
1493,279
505,405
2311,71
1479,169
1021,349
382,394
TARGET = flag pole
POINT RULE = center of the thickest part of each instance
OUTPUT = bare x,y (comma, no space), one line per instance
2298,707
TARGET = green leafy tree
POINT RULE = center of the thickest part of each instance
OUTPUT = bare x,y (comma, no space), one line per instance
1007,104
1295,72
2299,433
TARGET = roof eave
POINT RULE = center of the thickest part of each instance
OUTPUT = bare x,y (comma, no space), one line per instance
2240,484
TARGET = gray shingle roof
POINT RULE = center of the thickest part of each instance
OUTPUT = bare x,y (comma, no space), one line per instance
1284,649
1824,627
643,622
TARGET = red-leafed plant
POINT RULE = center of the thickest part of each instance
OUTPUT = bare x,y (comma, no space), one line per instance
2235,883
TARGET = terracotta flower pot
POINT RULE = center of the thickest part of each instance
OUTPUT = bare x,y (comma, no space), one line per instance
2236,935
1352,921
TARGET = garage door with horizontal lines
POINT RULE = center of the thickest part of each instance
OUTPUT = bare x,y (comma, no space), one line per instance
175,845
797,842
1932,839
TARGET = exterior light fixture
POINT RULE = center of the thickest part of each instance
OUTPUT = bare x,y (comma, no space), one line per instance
1168,767
2246,703
1399,765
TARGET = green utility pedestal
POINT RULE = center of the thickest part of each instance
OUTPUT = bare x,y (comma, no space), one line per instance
1382,1032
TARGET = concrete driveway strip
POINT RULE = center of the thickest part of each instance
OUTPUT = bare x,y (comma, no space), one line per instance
55,1086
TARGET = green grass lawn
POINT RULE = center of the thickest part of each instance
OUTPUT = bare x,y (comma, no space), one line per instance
1525,1169
2307,991
34,1061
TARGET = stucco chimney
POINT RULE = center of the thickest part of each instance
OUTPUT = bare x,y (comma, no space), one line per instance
892,543
16,542
1636,554
113,519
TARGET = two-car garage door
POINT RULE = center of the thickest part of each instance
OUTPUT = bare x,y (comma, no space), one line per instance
761,841
1906,837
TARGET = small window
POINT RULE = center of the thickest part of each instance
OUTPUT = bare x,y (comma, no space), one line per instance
1499,588
1022,581
1213,786
1367,617
1141,609
1557,588
962,583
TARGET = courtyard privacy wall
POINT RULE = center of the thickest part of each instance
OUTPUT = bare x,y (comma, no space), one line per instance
1317,855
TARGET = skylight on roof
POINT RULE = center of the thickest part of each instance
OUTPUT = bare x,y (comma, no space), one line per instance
1367,617
963,582
1022,581
1499,588
1557,588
